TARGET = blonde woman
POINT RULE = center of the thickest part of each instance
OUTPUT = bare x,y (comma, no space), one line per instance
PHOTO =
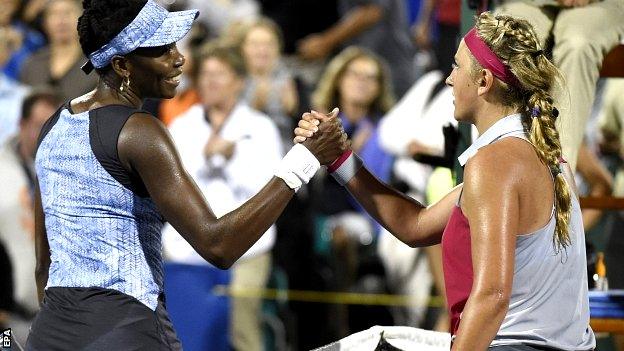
512,233
357,82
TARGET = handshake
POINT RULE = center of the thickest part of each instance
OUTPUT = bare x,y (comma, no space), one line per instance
322,135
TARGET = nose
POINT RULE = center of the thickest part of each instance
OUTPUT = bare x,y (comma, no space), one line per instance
179,59
449,80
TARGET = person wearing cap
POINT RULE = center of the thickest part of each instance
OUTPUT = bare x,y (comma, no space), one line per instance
108,176
512,235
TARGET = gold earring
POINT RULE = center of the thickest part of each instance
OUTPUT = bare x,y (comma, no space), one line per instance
125,84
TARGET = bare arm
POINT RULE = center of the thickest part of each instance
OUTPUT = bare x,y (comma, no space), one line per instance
356,21
290,99
404,217
146,147
421,29
491,204
599,180
42,248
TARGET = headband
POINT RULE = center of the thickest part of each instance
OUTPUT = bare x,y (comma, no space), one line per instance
488,59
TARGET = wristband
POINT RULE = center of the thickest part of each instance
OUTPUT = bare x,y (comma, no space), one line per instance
339,161
345,167
297,167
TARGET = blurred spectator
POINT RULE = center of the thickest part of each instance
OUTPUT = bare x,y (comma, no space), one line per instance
596,179
58,64
25,41
377,25
437,28
32,13
414,126
231,151
357,82
611,123
16,205
411,129
293,17
580,33
11,92
218,15
270,87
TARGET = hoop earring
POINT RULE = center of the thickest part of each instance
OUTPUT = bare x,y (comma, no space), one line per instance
125,84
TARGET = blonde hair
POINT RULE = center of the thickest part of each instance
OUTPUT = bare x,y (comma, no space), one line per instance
326,96
515,42
261,22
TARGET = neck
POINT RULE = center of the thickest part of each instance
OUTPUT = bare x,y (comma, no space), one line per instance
107,92
259,72
353,112
490,114
218,113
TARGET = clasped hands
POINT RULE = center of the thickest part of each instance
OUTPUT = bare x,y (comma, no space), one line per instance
323,135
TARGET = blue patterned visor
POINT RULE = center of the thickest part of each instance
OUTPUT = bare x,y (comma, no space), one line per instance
153,26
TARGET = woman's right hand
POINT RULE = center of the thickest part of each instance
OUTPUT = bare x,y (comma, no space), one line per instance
308,124
325,138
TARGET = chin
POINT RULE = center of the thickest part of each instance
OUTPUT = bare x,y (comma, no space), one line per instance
168,94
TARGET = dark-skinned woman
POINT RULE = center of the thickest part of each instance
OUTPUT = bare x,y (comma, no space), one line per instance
109,176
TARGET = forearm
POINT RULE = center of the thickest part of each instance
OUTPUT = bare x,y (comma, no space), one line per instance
395,211
481,320
354,23
230,236
426,12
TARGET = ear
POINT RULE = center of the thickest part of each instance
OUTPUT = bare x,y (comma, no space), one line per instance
485,81
121,66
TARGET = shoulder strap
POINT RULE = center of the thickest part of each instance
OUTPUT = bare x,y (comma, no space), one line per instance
105,125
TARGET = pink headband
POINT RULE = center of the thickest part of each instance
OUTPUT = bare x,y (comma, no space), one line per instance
488,59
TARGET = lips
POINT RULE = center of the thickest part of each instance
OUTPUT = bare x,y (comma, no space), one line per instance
175,80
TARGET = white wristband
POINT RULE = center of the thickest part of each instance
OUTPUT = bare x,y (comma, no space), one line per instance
347,168
297,167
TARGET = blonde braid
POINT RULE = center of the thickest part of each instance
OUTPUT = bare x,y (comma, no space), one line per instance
515,42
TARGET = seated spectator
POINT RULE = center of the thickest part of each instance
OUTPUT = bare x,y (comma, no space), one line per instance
270,86
231,151
17,207
58,64
26,41
357,82
580,32
412,128
379,26
11,92
218,15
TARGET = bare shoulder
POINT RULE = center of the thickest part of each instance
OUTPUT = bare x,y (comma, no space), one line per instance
499,166
143,129
143,136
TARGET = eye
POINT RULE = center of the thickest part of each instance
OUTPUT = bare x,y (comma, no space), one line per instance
454,65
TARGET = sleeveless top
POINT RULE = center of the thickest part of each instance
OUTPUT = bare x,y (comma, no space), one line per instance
549,303
102,227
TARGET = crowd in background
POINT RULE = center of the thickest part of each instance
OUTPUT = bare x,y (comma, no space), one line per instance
252,68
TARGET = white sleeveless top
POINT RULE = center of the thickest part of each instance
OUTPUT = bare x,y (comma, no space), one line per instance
549,303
